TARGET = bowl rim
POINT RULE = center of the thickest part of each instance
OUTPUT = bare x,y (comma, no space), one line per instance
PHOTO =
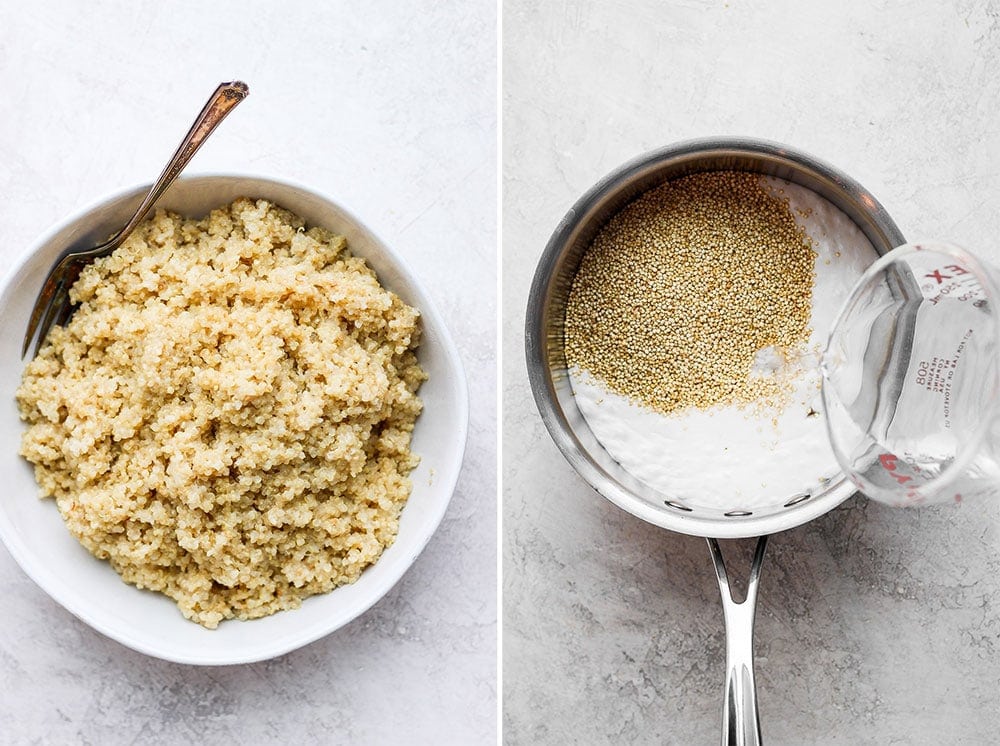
428,310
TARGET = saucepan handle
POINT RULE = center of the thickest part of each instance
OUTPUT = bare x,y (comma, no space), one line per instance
740,721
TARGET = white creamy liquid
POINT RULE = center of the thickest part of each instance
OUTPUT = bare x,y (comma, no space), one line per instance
733,458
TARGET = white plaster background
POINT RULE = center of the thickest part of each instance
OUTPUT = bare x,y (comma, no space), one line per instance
390,108
874,626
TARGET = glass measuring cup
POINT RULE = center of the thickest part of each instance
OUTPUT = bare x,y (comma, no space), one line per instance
911,378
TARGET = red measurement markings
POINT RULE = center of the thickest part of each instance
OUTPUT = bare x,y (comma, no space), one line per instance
889,463
955,269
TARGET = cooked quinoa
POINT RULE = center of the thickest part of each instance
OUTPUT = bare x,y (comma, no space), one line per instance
227,416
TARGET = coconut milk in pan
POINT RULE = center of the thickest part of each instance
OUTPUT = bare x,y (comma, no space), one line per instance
695,455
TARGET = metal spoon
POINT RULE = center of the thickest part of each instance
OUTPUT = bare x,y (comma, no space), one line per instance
53,306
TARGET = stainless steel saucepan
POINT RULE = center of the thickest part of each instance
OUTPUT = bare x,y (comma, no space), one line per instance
553,392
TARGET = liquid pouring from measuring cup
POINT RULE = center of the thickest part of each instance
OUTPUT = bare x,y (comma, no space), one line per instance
911,378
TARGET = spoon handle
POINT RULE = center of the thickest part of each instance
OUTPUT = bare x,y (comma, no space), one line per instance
220,103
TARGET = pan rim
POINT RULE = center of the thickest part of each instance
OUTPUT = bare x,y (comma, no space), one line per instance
880,229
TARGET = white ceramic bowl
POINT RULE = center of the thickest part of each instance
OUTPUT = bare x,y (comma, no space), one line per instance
34,532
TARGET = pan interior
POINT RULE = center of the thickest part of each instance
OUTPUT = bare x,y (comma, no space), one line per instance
547,363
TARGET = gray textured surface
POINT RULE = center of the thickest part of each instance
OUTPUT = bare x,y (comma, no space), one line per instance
875,626
389,109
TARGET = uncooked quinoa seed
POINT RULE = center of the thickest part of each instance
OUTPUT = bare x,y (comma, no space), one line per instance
681,289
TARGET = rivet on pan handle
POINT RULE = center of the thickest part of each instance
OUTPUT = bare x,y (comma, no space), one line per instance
740,721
